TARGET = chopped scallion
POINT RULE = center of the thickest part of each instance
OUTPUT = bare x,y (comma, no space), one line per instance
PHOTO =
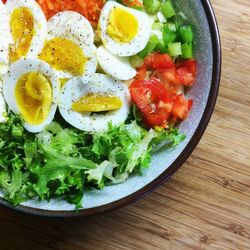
167,9
172,27
152,43
162,47
152,6
187,50
157,26
186,33
174,49
168,35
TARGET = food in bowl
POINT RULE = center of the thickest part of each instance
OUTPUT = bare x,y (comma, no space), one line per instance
88,90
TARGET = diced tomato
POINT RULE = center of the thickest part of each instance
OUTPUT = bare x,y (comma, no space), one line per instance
158,118
153,99
158,103
186,72
162,101
162,61
90,9
183,73
158,61
133,3
169,75
170,79
181,107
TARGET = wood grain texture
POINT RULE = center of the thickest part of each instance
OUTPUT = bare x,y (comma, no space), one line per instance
206,205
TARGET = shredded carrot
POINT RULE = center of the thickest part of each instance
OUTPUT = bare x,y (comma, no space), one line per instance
89,8
133,3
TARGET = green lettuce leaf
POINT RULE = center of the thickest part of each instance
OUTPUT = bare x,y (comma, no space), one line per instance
140,152
62,161
105,169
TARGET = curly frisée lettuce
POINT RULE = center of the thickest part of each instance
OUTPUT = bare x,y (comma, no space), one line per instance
64,162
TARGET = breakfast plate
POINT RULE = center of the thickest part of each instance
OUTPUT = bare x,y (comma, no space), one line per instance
100,107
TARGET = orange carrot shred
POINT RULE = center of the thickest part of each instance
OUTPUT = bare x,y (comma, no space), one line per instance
89,8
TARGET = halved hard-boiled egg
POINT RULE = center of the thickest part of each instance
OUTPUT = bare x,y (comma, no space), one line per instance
115,66
28,27
69,48
4,39
90,104
124,31
31,89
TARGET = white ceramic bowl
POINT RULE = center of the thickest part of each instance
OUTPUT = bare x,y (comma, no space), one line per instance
166,162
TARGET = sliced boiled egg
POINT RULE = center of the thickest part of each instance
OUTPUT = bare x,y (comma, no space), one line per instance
124,31
90,104
117,67
4,39
28,27
69,48
72,24
31,89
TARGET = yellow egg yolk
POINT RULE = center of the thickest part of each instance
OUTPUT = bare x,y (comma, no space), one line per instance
123,26
65,55
22,30
97,103
33,95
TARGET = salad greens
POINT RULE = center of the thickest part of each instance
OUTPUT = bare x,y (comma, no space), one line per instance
171,32
62,161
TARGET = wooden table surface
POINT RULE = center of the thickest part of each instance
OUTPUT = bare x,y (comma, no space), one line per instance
206,205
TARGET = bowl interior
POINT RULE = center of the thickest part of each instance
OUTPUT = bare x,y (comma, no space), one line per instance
196,15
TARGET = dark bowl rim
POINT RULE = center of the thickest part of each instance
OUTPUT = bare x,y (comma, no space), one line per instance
216,45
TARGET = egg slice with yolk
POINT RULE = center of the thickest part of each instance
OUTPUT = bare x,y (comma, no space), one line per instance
28,27
31,89
33,94
4,39
69,48
91,104
124,31
123,26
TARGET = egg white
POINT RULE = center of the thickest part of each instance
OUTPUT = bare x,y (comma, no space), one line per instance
124,49
40,23
117,67
5,39
73,26
98,84
17,70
